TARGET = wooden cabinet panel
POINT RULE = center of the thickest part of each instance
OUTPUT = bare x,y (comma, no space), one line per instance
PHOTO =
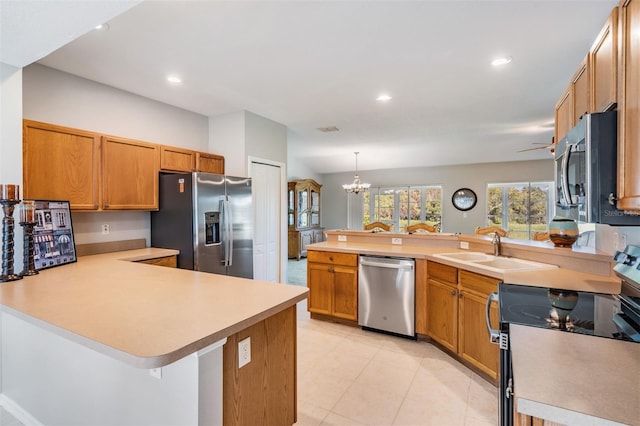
61,163
130,174
442,314
580,91
603,66
473,344
629,107
421,297
303,212
209,163
332,279
563,115
345,293
444,273
174,159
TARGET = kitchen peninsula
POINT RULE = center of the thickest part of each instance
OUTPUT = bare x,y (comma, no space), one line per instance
108,340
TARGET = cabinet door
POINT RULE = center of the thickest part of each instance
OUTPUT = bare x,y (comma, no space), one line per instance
345,292
580,91
320,283
629,118
421,297
209,163
130,174
564,115
442,313
306,238
303,208
177,159
604,66
474,344
61,163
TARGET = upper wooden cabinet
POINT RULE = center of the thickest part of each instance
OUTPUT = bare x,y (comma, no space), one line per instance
629,107
580,91
209,163
564,114
603,66
60,163
174,159
130,174
98,172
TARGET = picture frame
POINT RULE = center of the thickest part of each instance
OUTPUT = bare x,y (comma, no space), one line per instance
53,240
464,199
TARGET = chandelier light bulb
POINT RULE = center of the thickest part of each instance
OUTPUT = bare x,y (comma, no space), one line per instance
356,186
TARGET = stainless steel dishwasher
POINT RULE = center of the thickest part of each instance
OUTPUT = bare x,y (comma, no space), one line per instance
386,294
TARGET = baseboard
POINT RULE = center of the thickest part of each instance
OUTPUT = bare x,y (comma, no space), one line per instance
18,412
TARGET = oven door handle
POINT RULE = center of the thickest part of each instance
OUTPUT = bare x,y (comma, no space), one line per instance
626,328
494,335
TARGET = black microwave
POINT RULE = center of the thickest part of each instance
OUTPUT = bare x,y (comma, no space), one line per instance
585,172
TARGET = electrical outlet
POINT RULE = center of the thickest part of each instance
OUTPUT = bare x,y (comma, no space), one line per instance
244,352
464,245
623,241
156,372
105,229
342,238
396,241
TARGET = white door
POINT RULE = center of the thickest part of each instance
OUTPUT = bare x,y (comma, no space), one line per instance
267,201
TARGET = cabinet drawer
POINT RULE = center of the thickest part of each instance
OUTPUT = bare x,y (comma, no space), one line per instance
478,283
442,272
332,258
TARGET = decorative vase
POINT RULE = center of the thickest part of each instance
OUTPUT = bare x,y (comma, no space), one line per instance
563,232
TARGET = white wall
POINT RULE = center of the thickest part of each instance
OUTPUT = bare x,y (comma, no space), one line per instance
56,97
265,138
474,176
227,138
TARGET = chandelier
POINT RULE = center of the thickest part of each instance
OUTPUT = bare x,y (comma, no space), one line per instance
356,186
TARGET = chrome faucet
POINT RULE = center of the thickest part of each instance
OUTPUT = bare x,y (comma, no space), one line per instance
497,248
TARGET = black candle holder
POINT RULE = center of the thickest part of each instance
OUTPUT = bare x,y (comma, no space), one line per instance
28,250
7,241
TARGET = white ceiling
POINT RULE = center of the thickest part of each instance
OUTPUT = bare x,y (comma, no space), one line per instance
310,64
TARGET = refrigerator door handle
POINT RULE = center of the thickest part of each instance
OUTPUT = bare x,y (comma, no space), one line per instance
229,225
224,232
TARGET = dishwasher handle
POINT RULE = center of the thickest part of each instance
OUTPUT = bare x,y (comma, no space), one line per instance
369,262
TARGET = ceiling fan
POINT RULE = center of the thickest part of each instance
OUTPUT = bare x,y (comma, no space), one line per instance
550,146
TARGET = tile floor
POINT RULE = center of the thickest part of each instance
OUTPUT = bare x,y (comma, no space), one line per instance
347,376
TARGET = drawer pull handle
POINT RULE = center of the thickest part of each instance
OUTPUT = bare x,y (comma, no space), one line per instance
331,258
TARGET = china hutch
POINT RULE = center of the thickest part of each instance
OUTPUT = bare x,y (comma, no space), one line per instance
303,216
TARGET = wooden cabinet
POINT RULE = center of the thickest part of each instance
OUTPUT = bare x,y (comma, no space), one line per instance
580,91
629,107
422,311
456,305
209,163
60,163
442,304
97,172
603,66
303,216
129,174
174,159
168,261
474,345
563,114
332,279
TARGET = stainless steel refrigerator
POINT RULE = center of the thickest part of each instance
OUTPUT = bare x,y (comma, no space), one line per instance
208,218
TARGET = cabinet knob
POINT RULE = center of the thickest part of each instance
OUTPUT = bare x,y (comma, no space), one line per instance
453,292
460,295
331,270
331,258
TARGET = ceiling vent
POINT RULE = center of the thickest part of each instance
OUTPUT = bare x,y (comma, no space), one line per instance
328,129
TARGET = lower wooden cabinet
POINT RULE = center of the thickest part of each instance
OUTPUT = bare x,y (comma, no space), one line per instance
300,239
168,261
455,315
332,279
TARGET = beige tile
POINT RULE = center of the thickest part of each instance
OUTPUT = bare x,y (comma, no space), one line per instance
320,390
387,377
431,412
310,415
336,420
368,405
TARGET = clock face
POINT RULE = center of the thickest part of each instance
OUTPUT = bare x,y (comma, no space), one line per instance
464,199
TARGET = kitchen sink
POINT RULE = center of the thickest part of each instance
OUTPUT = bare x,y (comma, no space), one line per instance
493,263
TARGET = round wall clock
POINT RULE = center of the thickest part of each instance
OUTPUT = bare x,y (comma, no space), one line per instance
464,199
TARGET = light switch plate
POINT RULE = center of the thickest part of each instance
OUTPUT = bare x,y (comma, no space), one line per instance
464,245
342,238
244,352
396,241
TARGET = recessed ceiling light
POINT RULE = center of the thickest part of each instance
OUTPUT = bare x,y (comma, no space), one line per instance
102,27
174,79
501,61
383,98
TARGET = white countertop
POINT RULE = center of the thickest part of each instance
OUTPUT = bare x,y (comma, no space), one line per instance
146,315
575,379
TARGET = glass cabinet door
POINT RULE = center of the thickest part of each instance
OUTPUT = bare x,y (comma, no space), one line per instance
303,209
315,208
291,206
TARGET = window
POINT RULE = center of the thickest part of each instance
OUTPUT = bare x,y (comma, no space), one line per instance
521,208
403,206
